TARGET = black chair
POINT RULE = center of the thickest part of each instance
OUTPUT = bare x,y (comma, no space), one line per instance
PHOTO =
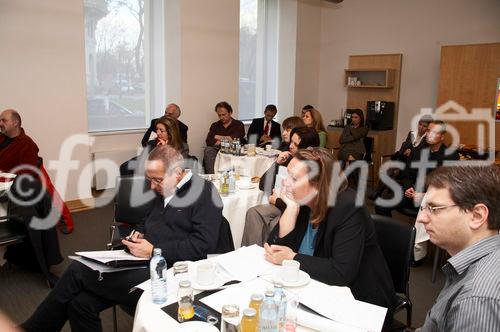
131,207
396,239
132,203
225,241
368,157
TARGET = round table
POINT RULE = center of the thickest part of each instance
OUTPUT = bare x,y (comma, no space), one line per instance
248,166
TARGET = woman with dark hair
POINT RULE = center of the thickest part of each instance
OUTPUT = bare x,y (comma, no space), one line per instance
333,239
261,219
352,145
167,132
312,118
289,124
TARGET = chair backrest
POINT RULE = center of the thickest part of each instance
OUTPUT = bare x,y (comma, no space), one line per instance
396,239
131,200
368,142
225,242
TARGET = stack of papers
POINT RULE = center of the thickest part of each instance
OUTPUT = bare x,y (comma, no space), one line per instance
109,260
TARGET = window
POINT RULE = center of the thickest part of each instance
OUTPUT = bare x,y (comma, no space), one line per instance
121,92
258,57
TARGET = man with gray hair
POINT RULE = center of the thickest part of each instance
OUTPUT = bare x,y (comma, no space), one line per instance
461,214
174,111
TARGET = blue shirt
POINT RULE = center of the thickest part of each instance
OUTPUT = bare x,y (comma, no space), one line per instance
308,241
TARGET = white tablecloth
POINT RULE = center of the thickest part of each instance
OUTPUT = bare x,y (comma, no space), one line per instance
248,166
150,318
235,208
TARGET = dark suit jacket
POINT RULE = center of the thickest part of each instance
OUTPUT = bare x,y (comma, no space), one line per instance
346,251
256,130
183,130
188,227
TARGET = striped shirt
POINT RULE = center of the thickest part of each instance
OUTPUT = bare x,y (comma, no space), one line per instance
470,299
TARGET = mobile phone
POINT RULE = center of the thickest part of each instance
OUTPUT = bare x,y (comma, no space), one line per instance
205,315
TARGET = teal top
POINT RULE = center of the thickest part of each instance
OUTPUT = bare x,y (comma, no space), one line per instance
308,241
322,139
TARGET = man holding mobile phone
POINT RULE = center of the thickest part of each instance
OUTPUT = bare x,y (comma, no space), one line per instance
184,222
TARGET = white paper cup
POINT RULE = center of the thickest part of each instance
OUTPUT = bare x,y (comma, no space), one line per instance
205,273
290,270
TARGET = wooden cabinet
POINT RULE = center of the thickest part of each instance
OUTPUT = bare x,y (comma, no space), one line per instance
370,78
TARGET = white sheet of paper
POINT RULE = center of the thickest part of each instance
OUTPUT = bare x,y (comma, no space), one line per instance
246,263
338,304
105,256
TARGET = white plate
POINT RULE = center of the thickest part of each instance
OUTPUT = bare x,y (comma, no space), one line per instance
197,326
246,185
303,280
217,283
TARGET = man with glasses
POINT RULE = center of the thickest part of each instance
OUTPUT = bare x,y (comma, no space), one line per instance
184,222
460,212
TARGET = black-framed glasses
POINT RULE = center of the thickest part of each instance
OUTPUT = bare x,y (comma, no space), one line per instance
156,181
432,209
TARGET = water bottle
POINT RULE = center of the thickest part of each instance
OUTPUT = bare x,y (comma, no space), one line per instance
237,147
268,315
232,182
280,301
158,270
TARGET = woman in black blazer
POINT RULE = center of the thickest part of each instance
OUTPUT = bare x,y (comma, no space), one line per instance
332,238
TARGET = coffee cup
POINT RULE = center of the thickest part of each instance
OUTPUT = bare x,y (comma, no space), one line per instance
269,147
290,270
205,273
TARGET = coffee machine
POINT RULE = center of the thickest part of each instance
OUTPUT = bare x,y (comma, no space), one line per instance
380,115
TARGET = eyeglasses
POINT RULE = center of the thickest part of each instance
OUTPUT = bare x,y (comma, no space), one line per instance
432,209
156,181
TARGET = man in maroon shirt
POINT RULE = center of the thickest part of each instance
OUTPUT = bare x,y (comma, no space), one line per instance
16,148
226,127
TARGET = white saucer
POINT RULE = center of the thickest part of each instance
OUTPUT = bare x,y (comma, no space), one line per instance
303,280
246,185
197,326
217,283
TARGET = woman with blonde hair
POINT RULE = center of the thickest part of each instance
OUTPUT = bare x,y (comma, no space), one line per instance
312,118
322,228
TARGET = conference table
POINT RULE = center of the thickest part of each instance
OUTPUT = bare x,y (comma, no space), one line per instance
247,165
256,275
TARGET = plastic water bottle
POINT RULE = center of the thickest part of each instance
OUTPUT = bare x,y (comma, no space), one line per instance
158,270
268,316
280,301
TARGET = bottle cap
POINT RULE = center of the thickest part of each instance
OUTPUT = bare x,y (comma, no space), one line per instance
257,297
249,312
270,293
185,283
157,251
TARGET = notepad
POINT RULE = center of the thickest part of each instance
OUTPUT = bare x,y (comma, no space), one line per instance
114,258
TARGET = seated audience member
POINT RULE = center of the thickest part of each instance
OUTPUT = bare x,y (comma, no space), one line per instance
312,118
352,145
261,219
461,214
436,151
167,132
300,138
173,111
333,239
265,130
19,154
227,128
184,222
289,124
413,141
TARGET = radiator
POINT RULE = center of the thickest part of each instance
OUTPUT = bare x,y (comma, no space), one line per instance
105,178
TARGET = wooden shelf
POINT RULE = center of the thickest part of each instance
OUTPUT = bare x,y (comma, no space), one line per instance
381,78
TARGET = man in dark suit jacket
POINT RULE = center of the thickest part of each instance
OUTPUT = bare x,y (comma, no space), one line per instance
264,130
174,111
184,222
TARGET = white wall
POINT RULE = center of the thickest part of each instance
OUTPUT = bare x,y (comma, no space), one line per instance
42,66
417,29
